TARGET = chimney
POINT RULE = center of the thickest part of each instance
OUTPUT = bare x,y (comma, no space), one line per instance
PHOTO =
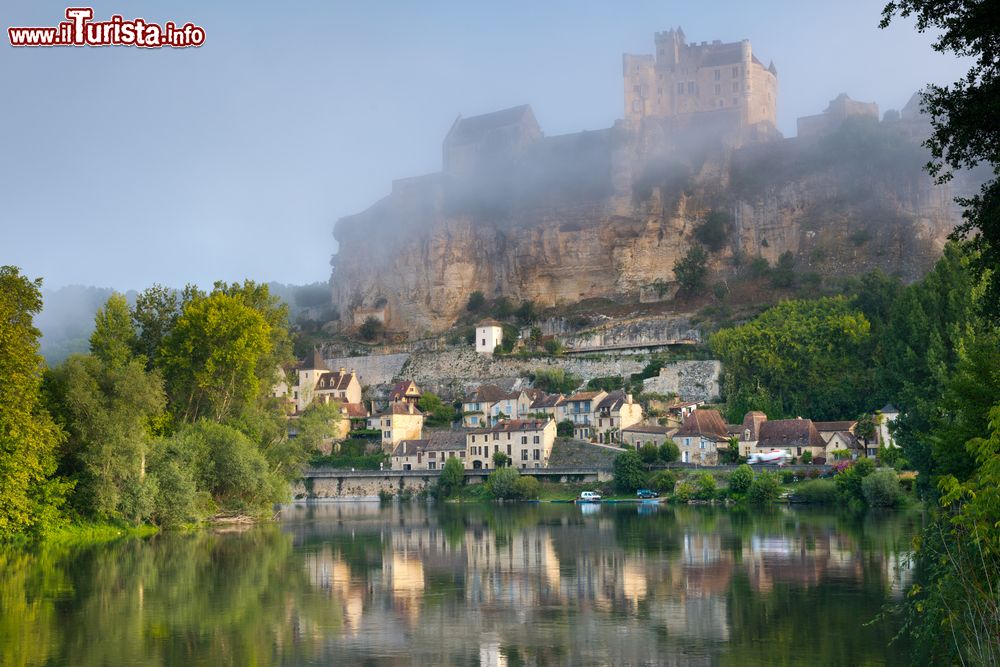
410,405
342,370
352,372
628,398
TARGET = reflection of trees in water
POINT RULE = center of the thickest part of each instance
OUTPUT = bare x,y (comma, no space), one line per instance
456,584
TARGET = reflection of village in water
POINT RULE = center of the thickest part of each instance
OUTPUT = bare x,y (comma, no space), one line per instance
619,584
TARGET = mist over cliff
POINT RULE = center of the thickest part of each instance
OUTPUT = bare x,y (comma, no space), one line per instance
608,213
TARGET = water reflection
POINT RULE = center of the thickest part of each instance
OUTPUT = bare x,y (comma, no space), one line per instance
353,583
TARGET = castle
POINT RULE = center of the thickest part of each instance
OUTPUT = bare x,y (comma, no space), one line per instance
683,79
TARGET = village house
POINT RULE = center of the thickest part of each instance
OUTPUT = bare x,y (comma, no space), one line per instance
489,334
749,432
430,453
681,409
526,442
478,405
524,401
842,441
316,382
546,404
638,435
579,409
398,422
794,436
886,422
700,437
406,391
614,412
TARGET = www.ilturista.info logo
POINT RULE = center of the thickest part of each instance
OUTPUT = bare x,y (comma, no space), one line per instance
80,30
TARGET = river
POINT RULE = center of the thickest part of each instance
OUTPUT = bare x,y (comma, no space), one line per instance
545,584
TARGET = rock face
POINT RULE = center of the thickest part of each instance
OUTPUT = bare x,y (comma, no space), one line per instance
608,213
689,380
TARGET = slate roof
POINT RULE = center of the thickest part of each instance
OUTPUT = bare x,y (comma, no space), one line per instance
490,323
708,423
487,393
410,447
614,400
355,410
583,396
446,440
776,433
649,428
473,127
400,390
399,409
513,425
334,380
547,401
752,420
830,427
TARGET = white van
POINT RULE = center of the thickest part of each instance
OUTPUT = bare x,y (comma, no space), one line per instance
589,497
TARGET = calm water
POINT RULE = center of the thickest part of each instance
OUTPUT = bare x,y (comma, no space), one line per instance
355,584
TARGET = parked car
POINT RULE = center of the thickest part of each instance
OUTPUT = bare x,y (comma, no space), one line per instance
646,493
589,497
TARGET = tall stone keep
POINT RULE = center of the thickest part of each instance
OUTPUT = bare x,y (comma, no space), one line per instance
683,81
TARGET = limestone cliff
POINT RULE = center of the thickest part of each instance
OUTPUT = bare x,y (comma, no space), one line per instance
606,214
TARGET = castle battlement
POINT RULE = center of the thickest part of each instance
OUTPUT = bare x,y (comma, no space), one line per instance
682,80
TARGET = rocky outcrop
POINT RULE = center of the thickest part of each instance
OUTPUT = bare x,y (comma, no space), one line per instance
608,214
689,380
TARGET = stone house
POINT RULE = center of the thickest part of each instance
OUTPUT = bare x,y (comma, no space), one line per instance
489,334
700,437
398,422
478,405
316,382
794,436
887,417
638,435
526,442
546,404
579,409
615,412
429,453
406,391
524,401
840,441
749,432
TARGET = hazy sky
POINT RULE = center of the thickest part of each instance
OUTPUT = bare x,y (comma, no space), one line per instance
122,167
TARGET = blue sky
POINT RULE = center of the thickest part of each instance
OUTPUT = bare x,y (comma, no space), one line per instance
123,167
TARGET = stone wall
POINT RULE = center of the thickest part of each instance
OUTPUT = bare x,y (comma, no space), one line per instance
690,380
638,333
372,370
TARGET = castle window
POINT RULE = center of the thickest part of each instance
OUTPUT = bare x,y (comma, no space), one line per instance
680,88
736,72
736,87
718,74
718,89
690,87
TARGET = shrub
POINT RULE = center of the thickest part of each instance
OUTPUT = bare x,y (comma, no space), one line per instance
787,476
706,488
502,483
564,429
714,230
452,477
553,346
629,474
527,488
669,451
684,491
817,491
850,479
371,328
764,489
500,460
813,474
741,479
649,453
691,269
807,457
663,481
882,489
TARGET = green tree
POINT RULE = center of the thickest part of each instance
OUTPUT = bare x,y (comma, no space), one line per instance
669,451
500,460
212,358
963,134
629,473
706,487
476,302
452,477
741,479
866,428
783,274
850,479
808,355
154,315
564,429
692,269
553,346
535,336
764,489
649,453
881,489
502,484
29,497
436,412
555,380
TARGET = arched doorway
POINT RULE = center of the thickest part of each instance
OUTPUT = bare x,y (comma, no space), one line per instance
477,465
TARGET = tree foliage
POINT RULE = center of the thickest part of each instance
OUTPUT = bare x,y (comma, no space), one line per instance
629,473
436,412
691,269
29,496
797,358
964,118
452,477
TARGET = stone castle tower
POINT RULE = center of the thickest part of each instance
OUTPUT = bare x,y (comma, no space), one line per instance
683,81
